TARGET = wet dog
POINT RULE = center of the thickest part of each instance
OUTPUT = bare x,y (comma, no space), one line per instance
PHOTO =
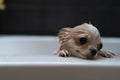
83,41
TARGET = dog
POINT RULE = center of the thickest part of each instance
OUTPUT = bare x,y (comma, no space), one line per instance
82,41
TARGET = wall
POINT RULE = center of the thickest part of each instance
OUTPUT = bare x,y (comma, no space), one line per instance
45,17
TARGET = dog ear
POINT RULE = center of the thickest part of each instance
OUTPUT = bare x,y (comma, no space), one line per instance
64,34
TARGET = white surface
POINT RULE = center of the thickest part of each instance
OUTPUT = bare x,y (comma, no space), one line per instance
32,58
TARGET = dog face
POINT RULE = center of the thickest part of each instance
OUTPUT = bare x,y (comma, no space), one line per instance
81,41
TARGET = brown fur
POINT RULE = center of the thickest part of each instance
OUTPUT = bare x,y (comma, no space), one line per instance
71,46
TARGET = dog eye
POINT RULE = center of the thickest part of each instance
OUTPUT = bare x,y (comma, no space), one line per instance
100,46
82,40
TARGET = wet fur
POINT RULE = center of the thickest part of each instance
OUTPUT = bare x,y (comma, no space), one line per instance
69,43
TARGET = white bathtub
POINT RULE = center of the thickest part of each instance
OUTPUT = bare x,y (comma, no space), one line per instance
31,58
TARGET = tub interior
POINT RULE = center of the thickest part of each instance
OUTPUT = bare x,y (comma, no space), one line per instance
40,50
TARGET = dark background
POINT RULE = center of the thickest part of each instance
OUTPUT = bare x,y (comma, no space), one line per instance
46,17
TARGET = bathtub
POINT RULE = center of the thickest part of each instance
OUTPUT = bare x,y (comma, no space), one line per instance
32,58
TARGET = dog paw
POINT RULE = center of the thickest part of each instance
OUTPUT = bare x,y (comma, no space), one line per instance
107,54
63,53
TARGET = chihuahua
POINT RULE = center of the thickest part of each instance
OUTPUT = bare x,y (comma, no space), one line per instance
83,41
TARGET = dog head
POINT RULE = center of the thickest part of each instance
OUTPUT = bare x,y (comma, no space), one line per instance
81,41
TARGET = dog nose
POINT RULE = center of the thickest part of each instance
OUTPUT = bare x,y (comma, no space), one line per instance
93,52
